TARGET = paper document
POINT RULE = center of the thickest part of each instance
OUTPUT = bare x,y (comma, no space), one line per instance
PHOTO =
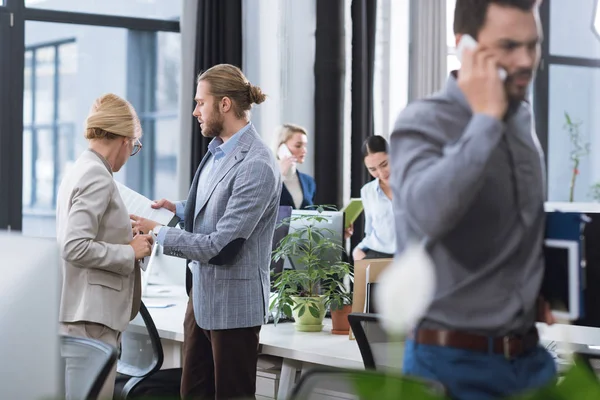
139,205
352,211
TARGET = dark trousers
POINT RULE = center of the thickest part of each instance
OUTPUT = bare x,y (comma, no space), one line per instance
377,254
218,364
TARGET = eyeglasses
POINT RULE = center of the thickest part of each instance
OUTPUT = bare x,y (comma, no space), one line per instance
137,146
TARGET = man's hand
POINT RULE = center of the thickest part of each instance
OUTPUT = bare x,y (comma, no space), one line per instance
143,225
358,254
544,313
479,81
142,246
164,203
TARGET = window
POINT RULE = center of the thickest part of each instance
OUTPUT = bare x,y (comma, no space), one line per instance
64,54
66,68
155,9
48,121
452,59
569,83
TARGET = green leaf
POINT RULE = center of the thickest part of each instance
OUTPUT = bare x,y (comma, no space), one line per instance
287,310
302,310
314,311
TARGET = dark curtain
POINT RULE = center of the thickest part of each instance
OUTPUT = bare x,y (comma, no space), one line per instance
330,61
363,62
218,41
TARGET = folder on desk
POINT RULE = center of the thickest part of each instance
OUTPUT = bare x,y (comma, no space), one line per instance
564,283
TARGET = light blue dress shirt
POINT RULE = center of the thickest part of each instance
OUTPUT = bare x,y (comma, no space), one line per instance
380,232
217,151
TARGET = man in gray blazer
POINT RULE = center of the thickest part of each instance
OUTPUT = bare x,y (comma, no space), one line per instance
229,219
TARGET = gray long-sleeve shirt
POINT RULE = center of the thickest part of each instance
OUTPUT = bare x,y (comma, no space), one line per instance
473,187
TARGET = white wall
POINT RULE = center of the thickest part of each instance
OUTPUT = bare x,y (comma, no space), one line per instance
279,54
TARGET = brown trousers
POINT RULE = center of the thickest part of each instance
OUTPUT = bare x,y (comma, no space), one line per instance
218,364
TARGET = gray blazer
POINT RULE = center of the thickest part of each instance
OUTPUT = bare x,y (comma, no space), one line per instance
230,237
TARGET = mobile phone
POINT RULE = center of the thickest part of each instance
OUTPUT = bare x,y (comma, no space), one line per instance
467,42
283,152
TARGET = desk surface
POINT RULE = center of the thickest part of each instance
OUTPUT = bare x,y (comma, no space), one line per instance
314,347
282,340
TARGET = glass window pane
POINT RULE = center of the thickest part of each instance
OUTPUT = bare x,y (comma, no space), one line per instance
571,31
66,68
452,63
450,4
155,9
167,125
576,91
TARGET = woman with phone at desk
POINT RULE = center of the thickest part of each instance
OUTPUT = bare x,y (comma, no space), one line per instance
376,196
298,188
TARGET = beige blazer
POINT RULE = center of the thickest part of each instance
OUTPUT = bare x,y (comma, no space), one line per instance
101,280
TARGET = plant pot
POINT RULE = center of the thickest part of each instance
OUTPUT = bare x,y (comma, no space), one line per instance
307,322
339,320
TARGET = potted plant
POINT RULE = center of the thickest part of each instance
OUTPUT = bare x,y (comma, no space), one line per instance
579,149
303,293
339,299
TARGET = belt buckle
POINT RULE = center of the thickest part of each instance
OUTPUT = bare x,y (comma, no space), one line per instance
506,347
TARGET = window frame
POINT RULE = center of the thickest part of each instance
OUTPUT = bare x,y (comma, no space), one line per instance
541,99
12,47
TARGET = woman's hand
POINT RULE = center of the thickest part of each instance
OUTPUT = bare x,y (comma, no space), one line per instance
349,232
358,254
286,163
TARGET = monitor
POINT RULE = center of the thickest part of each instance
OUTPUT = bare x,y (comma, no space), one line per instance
585,329
332,223
562,278
29,344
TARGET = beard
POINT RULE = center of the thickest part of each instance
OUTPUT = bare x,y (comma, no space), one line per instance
517,93
213,126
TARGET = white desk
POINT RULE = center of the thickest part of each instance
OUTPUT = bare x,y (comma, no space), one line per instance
298,350
301,350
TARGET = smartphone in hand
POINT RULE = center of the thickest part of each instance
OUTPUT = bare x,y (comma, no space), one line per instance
467,42
283,152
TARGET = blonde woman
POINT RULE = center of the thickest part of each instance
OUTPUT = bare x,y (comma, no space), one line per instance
298,189
101,279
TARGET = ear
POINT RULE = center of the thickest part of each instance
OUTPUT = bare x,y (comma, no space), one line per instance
225,105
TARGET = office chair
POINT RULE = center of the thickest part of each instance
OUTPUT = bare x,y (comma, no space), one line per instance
376,348
89,362
379,351
138,367
318,384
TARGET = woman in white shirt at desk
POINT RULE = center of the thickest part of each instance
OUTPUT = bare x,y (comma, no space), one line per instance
380,234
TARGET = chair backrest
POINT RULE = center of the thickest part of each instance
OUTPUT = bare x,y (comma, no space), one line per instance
378,350
88,363
141,349
318,384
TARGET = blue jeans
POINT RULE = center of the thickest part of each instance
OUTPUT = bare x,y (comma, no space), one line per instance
469,375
